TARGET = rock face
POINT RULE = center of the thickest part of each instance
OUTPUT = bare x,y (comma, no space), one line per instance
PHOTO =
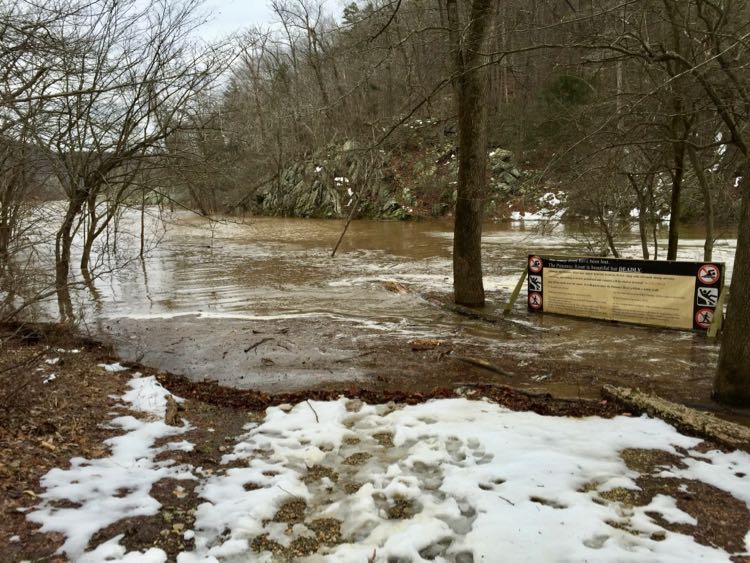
416,179
327,185
504,173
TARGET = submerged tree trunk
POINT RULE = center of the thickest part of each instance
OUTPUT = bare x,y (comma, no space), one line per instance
88,241
643,231
471,88
708,204
63,243
142,250
643,210
732,382
674,219
608,236
6,235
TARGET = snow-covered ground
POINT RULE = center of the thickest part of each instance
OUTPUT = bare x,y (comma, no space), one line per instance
448,480
104,491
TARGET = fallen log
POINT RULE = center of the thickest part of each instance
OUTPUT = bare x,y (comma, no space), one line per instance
484,364
478,315
691,421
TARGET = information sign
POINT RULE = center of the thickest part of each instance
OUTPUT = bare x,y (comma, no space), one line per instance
681,295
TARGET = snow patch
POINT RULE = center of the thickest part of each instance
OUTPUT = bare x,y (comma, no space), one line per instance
476,480
111,550
147,395
99,492
726,471
667,507
518,216
113,368
551,199
456,479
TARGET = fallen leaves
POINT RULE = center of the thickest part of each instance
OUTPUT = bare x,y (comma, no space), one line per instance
421,344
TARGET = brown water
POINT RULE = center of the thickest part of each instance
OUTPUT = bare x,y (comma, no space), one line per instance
208,292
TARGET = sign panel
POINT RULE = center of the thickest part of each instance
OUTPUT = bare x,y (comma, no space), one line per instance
681,295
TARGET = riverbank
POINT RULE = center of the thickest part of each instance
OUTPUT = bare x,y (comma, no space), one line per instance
283,356
69,398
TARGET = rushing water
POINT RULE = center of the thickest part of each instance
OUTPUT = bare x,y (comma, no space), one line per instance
271,266
207,288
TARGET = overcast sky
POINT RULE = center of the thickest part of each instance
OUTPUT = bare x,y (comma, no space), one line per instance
233,15
229,16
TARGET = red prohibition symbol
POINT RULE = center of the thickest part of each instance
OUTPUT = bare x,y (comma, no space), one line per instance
535,264
535,300
709,274
703,317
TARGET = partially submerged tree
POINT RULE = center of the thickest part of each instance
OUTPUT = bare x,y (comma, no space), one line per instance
470,84
706,59
115,93
30,51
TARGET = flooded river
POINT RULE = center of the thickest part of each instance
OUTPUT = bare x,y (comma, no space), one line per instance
262,304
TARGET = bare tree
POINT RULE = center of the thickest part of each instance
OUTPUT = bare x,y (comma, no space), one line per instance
110,104
700,50
30,51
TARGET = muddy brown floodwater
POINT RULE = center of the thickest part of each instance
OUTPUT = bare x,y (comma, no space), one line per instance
261,304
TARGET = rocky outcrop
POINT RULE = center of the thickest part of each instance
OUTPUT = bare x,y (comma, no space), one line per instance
327,185
420,180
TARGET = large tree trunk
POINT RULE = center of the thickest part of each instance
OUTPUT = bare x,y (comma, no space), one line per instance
471,88
732,382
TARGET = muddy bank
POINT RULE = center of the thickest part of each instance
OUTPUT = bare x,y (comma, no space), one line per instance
55,397
47,420
290,355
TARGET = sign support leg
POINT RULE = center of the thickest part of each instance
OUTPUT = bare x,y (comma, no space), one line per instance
516,292
718,319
